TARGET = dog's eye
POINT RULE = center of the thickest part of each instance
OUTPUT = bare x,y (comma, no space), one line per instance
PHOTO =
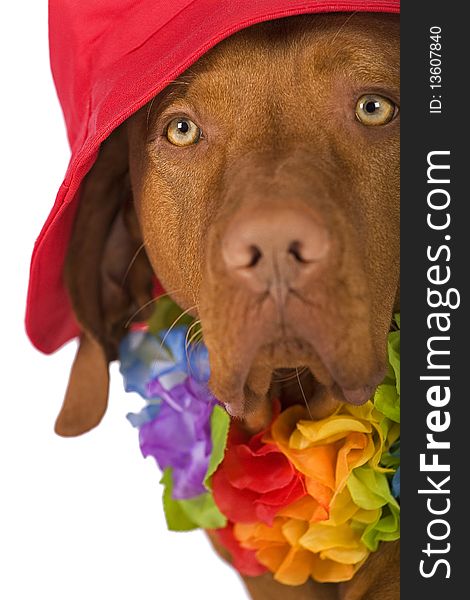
182,132
373,109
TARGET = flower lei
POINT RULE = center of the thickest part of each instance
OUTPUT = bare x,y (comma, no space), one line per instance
302,499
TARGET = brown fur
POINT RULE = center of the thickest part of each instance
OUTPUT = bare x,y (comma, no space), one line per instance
276,106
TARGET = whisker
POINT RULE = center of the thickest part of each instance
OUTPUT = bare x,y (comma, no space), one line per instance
187,341
289,377
131,318
303,394
178,318
148,114
144,306
193,337
133,259
193,324
283,379
349,17
190,328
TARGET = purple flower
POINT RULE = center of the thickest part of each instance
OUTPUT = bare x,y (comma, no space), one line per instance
179,437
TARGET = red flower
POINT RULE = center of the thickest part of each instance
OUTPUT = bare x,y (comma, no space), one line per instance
243,560
255,480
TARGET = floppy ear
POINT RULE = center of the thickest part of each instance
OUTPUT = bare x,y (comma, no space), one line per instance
108,278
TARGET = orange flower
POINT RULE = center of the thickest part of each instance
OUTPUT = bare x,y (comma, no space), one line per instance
295,549
327,451
322,535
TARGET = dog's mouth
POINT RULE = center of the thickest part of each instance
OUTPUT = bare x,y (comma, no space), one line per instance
291,372
300,386
288,386
316,355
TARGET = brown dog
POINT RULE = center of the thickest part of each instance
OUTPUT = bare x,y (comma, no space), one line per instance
262,188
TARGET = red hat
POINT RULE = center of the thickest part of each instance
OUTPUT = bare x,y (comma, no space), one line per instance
109,58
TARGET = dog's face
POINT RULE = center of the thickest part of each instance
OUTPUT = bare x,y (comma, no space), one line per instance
266,183
262,188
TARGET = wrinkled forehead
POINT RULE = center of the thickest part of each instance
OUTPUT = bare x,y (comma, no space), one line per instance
364,48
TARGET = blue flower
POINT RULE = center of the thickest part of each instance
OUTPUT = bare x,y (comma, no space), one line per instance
147,358
142,359
148,413
396,484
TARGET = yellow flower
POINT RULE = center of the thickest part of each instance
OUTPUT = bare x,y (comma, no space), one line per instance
328,534
294,549
327,451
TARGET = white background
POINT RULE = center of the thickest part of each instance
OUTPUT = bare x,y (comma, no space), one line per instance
80,519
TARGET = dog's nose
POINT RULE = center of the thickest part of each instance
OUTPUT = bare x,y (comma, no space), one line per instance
275,248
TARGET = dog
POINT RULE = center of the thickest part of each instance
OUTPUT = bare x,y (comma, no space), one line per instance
261,188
